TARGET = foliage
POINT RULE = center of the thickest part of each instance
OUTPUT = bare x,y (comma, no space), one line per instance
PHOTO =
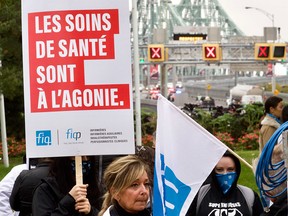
147,140
222,123
148,122
268,87
249,141
237,127
226,138
11,75
253,114
11,82
204,118
15,147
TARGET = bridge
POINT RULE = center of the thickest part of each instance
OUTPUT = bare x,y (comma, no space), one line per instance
157,14
184,59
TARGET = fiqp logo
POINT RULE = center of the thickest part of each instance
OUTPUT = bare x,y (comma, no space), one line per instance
70,134
43,138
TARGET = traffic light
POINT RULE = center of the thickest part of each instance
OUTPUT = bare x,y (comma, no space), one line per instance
211,52
270,51
278,51
262,51
156,53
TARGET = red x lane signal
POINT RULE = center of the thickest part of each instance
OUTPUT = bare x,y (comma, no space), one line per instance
156,52
270,51
211,52
262,51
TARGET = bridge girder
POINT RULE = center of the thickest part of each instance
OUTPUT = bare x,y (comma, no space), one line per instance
159,14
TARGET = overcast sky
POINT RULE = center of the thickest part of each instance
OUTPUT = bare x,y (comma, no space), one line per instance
252,21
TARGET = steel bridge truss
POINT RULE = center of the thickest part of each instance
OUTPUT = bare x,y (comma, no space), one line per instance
162,14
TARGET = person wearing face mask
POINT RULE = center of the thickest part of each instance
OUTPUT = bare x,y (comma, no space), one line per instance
223,196
58,194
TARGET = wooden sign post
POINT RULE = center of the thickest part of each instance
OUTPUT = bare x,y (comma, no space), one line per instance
78,170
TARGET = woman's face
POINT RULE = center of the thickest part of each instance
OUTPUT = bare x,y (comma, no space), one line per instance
134,198
277,111
225,165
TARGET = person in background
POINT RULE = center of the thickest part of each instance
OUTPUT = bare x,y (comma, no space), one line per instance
147,154
278,194
223,196
6,185
58,194
273,110
26,182
128,186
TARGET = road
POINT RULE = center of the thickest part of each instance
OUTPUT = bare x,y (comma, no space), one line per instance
179,101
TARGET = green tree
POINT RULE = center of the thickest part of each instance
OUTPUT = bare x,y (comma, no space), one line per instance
11,74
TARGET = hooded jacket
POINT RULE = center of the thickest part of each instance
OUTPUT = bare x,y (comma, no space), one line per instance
116,210
268,126
49,199
26,182
279,207
215,202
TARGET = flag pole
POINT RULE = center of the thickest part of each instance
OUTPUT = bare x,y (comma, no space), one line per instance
240,158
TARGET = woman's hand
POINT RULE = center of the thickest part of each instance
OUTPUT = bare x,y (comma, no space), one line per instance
79,191
83,205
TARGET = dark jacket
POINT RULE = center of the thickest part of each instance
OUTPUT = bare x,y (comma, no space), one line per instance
116,210
48,199
22,192
279,207
215,202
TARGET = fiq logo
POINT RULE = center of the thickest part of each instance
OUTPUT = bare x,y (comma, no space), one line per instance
70,134
43,138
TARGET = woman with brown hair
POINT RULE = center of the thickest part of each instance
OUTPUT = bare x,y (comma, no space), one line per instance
128,188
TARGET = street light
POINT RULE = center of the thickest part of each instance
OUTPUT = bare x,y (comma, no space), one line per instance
269,15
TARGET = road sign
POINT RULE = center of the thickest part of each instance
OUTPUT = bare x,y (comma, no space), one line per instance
278,51
156,53
270,51
211,52
262,51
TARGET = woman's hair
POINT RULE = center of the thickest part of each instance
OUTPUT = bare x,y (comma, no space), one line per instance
62,171
147,154
272,101
284,116
119,175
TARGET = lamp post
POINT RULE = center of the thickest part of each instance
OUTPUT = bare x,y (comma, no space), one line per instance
271,17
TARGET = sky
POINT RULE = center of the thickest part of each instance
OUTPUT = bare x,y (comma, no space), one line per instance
252,21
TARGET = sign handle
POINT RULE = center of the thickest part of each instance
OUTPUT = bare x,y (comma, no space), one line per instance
78,170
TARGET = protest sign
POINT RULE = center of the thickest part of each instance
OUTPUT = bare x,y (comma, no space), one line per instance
77,77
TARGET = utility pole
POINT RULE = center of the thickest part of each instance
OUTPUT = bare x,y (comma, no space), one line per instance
3,128
271,17
136,74
3,131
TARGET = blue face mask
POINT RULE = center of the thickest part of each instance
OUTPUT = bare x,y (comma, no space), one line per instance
226,180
